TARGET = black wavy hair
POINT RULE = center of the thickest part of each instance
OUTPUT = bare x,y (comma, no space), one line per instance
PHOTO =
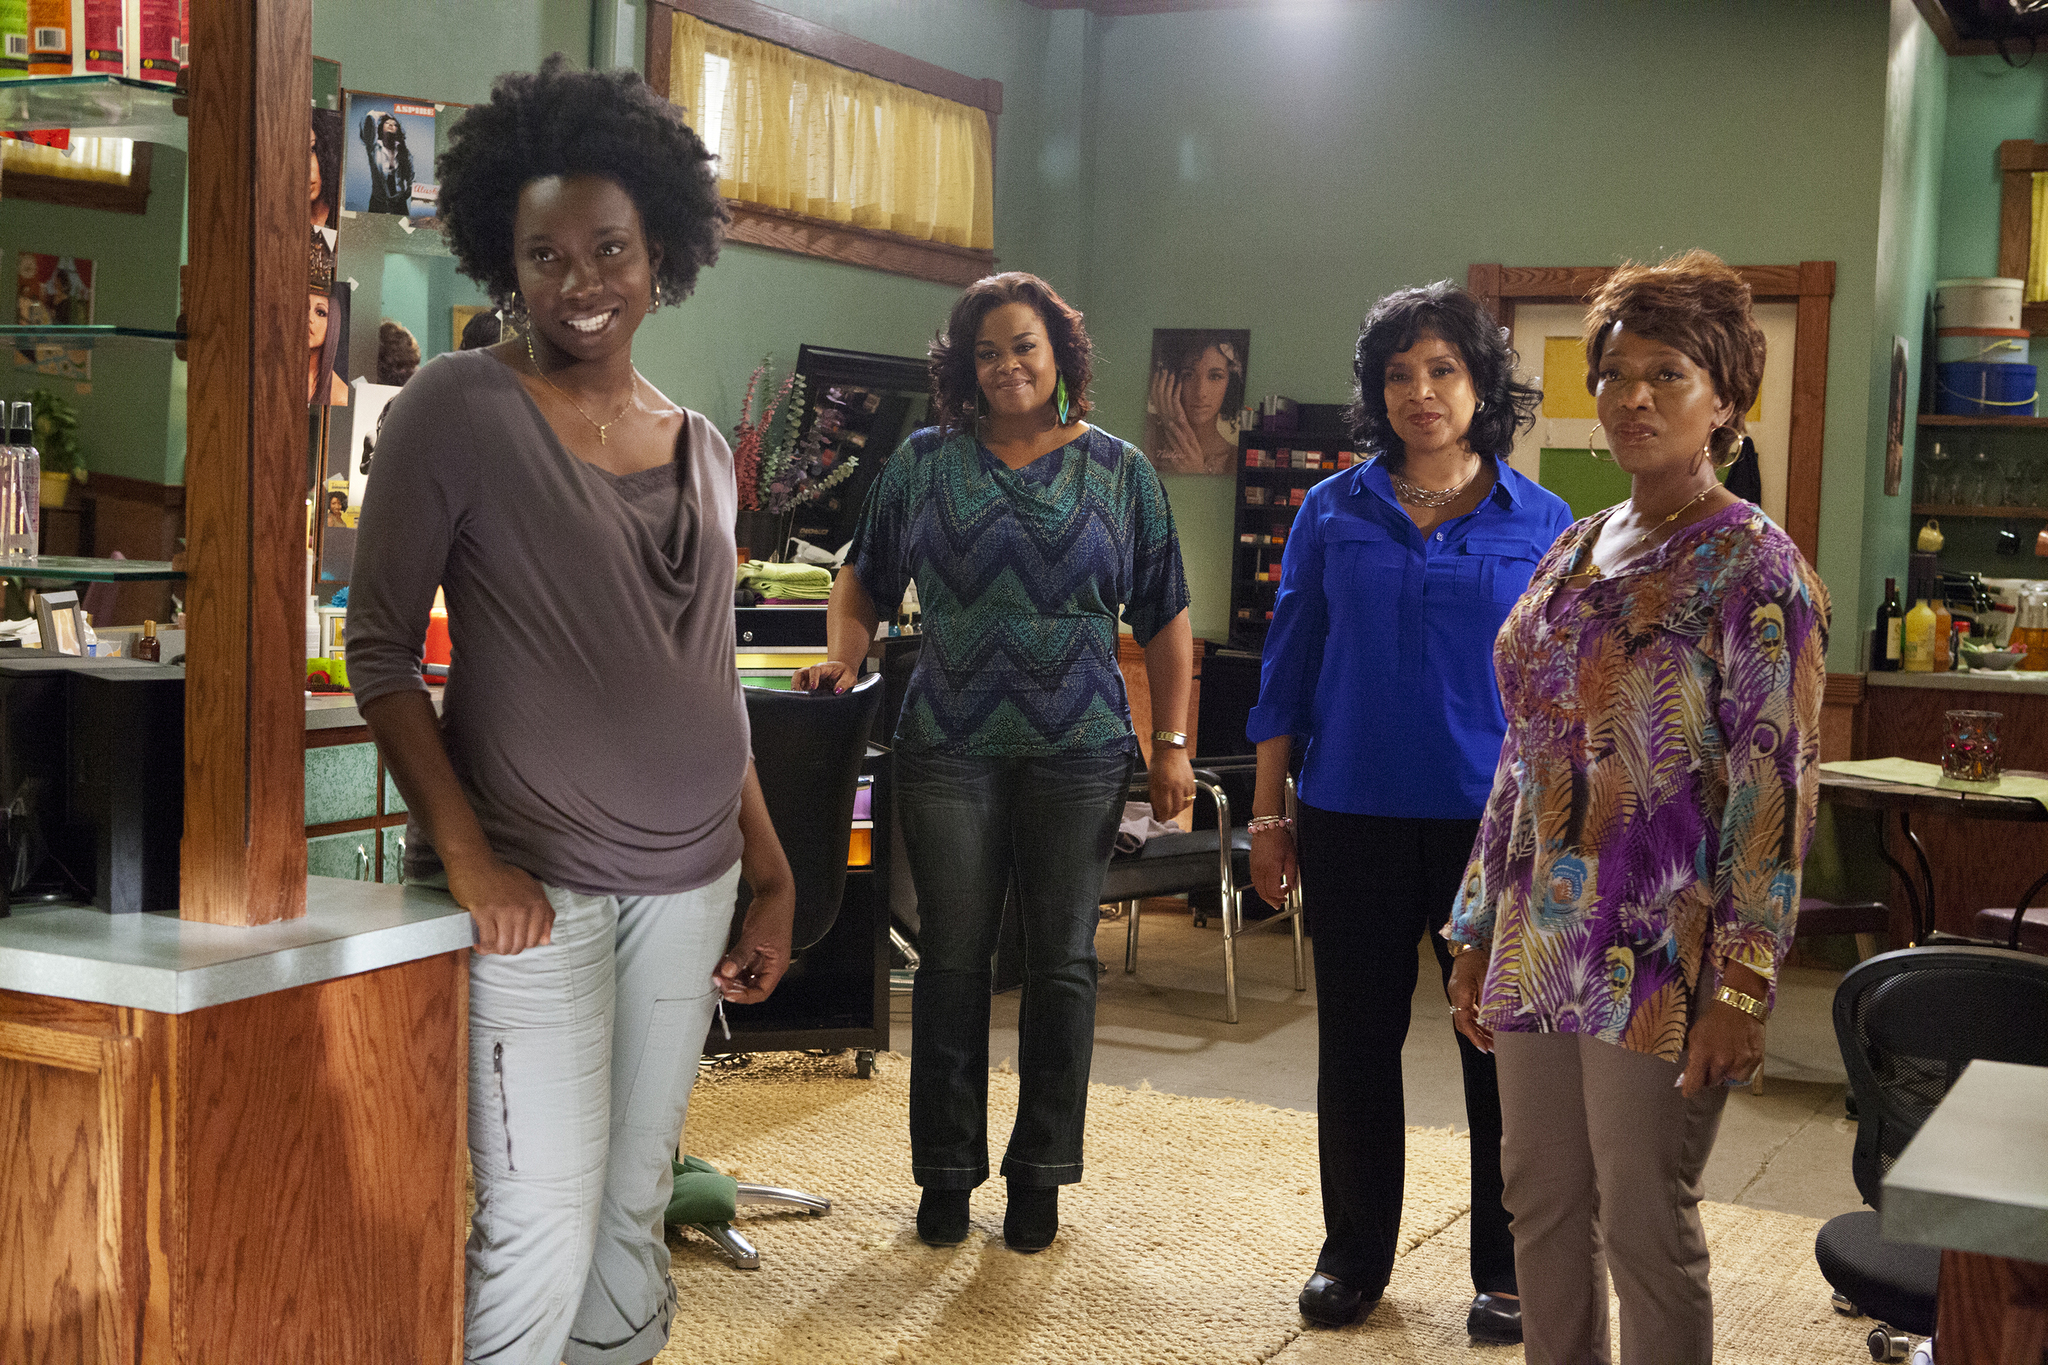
1450,314
1181,351
559,121
954,386
326,147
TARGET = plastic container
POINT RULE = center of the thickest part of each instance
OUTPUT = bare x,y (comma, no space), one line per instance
1991,302
1973,389
1982,345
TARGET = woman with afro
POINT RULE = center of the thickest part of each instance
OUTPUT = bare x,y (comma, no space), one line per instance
586,793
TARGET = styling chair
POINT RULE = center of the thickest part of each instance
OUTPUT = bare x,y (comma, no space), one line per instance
1908,1023
2018,927
808,748
1172,864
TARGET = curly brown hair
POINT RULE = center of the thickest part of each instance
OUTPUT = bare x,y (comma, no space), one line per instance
398,352
954,387
1697,304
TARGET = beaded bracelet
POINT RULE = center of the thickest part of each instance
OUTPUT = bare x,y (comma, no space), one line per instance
1260,823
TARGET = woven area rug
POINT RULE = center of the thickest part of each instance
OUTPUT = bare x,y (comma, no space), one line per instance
1186,1243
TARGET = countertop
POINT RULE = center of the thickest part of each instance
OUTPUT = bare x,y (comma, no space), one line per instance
1975,1177
162,963
1977,680
339,712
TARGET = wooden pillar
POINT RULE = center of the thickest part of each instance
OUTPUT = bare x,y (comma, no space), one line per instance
244,858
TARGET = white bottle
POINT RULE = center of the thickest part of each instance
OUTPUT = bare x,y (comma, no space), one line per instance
21,479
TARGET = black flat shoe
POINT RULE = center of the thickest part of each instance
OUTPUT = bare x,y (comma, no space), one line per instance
1033,1218
1331,1303
1495,1319
942,1217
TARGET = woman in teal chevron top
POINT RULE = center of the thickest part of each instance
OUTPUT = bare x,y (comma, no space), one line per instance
1028,533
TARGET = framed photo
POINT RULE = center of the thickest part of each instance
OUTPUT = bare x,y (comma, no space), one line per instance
1895,422
389,157
62,623
1195,391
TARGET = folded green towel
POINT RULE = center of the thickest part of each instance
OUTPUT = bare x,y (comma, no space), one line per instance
807,581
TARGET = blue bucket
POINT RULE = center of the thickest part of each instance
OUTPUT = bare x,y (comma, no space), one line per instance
1972,389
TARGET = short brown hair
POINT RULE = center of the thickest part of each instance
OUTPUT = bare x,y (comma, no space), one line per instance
954,386
398,354
1693,302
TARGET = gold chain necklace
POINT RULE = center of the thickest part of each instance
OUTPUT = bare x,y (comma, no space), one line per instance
602,427
1592,570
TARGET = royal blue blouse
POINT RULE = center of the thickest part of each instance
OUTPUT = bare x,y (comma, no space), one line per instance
1381,647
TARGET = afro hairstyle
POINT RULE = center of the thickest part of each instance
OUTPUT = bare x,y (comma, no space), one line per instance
561,121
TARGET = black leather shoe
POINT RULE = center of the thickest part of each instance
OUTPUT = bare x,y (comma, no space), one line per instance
1032,1219
1495,1319
942,1217
1331,1303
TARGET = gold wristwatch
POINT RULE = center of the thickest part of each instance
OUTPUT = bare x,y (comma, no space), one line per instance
1172,739
1748,1004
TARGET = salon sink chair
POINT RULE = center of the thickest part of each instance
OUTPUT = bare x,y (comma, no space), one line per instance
808,748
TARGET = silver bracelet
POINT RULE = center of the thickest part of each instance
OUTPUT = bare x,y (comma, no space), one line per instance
1260,823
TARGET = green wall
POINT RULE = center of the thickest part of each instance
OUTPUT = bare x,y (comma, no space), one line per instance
123,414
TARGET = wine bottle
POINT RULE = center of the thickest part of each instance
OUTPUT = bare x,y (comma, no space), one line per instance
1886,647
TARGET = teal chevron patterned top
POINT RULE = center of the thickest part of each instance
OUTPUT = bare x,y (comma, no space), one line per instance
1020,576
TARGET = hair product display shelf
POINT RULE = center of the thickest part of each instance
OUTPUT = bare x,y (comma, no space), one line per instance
77,569
95,106
1268,495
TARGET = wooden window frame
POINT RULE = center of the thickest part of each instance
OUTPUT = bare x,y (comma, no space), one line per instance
1809,284
132,197
800,233
2018,160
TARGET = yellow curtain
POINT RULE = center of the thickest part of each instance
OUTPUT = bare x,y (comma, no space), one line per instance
793,132
2037,256
104,159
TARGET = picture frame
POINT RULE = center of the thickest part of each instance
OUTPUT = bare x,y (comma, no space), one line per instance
61,621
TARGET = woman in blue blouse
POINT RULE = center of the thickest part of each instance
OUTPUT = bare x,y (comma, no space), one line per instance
1397,576
1027,532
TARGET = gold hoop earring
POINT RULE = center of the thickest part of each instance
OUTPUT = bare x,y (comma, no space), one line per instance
1734,447
1608,458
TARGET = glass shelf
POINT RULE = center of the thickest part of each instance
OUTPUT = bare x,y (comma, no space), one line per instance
1943,419
1949,509
75,569
95,106
82,338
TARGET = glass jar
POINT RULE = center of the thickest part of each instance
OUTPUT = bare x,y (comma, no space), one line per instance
2030,626
1969,753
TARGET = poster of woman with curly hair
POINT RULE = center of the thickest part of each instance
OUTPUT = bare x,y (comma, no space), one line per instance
1197,390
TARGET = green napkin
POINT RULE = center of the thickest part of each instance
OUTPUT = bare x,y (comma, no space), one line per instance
1912,774
702,1195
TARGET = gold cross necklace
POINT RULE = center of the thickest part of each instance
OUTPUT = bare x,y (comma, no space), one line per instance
631,397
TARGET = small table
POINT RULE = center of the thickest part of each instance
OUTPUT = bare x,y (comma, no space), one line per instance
1974,1182
1907,800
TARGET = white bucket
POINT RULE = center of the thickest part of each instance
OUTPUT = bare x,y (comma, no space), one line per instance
1977,303
1981,345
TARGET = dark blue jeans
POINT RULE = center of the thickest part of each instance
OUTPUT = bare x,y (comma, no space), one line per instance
971,826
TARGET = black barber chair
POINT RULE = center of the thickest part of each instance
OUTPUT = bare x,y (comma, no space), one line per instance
808,749
1908,1022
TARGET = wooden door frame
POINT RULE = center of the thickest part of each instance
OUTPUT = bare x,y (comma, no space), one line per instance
2018,161
1809,284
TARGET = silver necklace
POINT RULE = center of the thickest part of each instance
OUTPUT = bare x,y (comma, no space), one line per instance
1415,495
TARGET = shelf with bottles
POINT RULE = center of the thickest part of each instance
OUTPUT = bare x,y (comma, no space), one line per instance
95,106
79,569
1274,438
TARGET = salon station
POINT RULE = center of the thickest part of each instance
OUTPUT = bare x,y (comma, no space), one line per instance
234,1041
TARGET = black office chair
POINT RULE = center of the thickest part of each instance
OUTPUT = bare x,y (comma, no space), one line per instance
1173,864
808,750
1908,1022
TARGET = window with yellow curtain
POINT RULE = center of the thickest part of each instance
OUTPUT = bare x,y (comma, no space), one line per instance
2037,254
808,136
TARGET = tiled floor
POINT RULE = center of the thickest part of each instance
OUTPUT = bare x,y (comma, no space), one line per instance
1786,1149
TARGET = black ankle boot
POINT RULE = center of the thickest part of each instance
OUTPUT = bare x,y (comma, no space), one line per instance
1033,1217
942,1217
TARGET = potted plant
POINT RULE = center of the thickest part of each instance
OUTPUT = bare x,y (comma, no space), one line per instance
57,442
775,478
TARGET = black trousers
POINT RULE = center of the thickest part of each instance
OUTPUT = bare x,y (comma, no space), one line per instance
1372,887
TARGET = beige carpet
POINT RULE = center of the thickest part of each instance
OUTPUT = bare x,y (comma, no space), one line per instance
1186,1244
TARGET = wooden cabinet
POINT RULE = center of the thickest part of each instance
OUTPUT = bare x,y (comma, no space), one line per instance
278,1178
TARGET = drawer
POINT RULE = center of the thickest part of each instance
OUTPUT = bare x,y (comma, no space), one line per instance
342,855
341,783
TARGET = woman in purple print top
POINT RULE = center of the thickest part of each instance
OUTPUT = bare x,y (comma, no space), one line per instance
1632,892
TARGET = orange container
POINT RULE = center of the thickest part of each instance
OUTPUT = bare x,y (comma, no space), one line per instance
438,648
860,849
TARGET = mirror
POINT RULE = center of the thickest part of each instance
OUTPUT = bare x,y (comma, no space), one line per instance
875,401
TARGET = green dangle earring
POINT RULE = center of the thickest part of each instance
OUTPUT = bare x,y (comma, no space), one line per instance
1059,398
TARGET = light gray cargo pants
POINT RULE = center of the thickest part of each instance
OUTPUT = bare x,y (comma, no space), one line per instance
581,1057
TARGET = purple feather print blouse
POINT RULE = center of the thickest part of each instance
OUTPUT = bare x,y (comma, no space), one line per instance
1655,794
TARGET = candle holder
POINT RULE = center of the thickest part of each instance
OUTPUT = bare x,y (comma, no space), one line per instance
1970,751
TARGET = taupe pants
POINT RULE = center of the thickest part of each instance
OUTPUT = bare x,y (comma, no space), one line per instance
1601,1153
581,1057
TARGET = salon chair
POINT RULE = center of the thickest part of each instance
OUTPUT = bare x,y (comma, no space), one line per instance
1174,864
808,748
1908,1023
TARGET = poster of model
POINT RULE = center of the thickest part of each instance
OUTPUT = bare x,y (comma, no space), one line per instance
53,291
1196,392
390,157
